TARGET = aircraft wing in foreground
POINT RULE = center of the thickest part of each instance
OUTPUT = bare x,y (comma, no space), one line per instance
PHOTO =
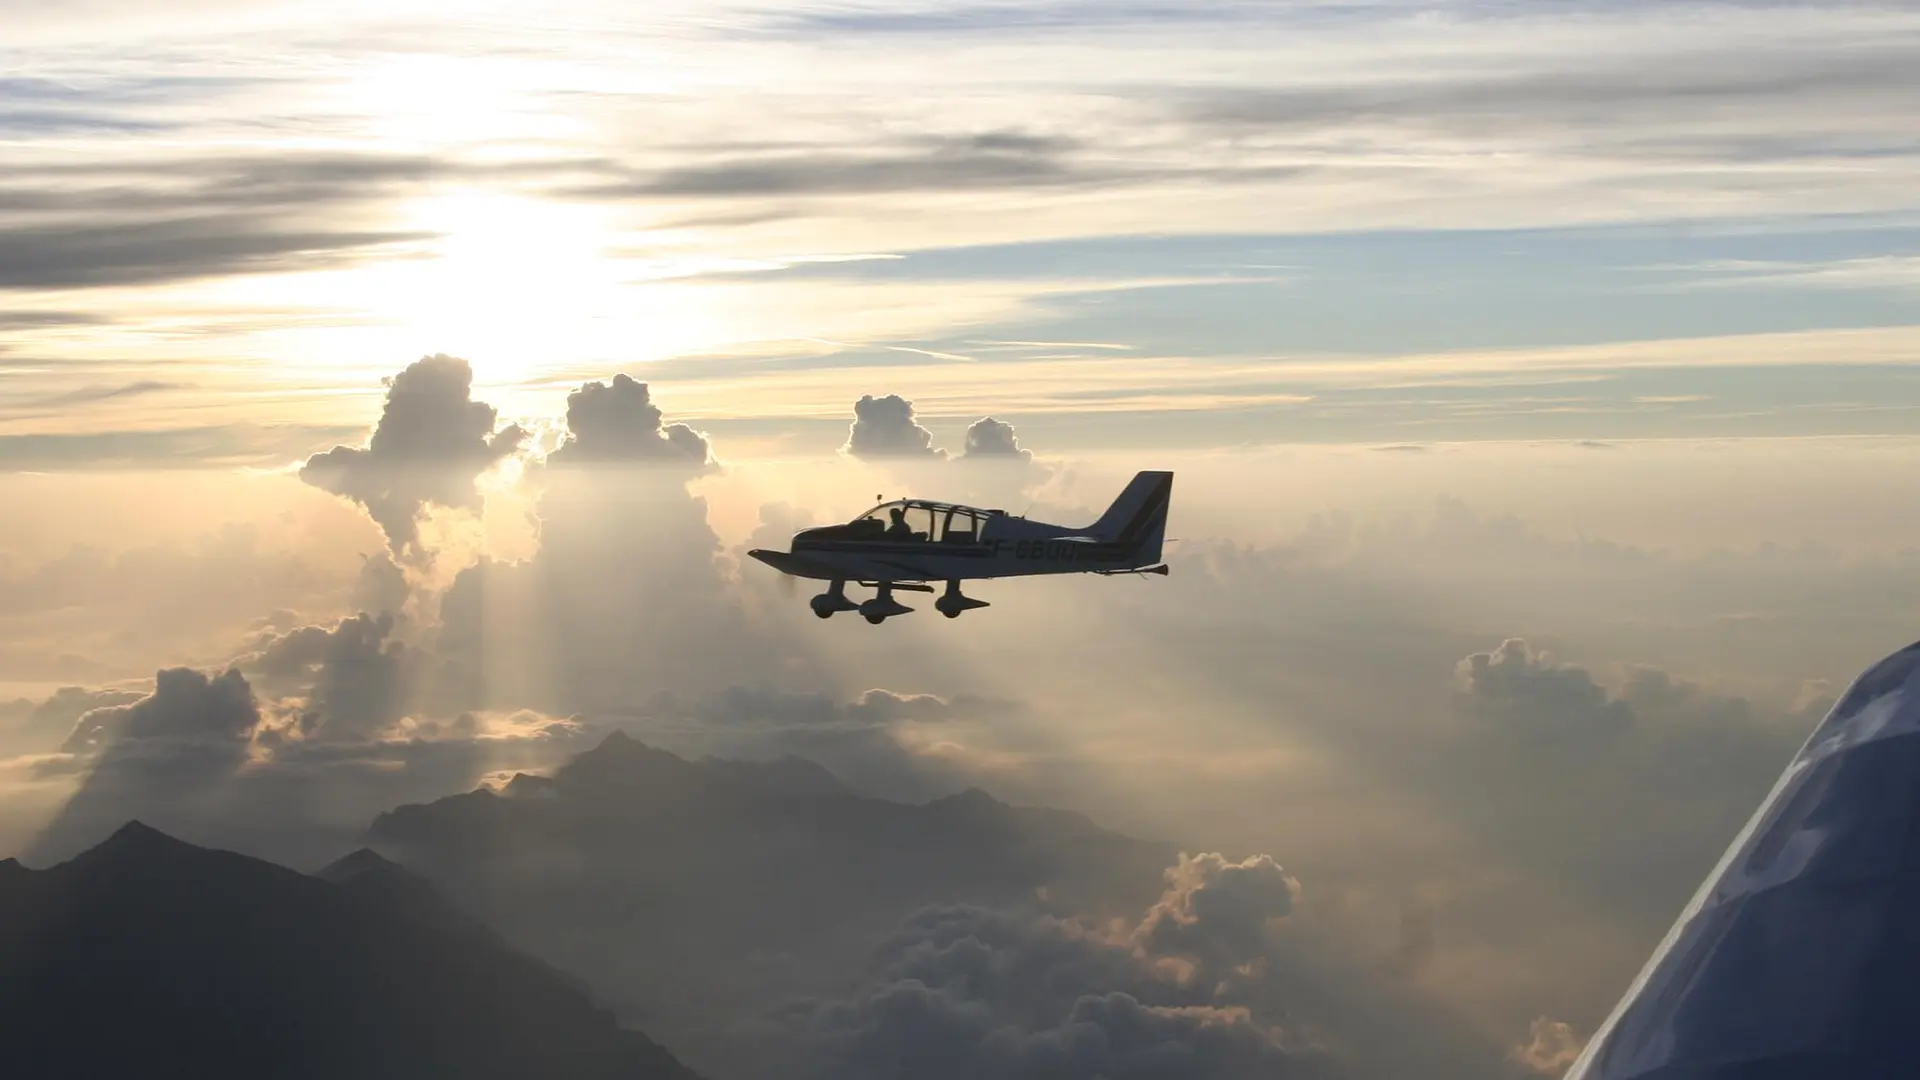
1799,958
904,545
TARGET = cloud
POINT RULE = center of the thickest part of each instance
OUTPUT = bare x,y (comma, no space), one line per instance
1514,685
89,394
172,749
991,18
129,610
882,743
885,428
266,445
213,761
36,123
432,441
1202,984
69,256
1550,1048
994,439
1604,91
39,320
618,423
910,1030
626,593
185,704
987,161
213,186
361,683
37,727
1216,912
970,991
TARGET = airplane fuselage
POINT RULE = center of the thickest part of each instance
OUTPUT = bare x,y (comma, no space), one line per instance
1006,547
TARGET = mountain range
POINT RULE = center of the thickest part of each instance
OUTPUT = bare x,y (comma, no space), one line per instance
148,956
697,895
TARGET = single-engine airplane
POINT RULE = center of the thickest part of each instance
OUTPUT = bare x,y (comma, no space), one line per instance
909,542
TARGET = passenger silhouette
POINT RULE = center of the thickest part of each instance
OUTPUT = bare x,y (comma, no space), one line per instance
899,529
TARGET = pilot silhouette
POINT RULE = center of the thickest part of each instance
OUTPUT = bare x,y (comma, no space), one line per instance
900,529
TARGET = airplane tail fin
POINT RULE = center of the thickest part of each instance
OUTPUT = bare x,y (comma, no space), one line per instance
1138,517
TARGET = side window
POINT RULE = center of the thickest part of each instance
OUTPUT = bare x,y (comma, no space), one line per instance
920,519
962,527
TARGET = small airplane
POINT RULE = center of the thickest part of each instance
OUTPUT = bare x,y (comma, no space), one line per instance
905,544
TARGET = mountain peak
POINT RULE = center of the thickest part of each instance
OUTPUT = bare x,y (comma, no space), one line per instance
620,761
528,786
356,864
973,799
138,837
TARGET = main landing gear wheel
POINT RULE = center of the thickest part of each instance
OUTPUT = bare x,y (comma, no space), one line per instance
834,599
951,603
883,606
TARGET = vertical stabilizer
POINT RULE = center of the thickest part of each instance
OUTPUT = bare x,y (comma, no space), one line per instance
1138,518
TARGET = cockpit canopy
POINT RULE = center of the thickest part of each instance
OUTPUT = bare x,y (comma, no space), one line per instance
920,519
910,521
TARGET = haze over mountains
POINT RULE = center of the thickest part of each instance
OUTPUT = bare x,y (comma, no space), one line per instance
148,956
698,893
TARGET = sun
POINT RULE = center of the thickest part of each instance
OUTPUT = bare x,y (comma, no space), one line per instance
512,284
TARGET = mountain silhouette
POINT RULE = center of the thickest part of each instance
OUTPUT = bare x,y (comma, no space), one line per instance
147,956
692,893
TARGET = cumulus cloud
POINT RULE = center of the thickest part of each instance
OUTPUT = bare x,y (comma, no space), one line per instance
1216,912
963,990
208,758
969,991
990,438
1550,1048
431,442
1517,686
362,682
167,752
185,704
885,428
626,590
618,423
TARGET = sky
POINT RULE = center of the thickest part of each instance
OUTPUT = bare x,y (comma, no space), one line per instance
1540,380
1329,223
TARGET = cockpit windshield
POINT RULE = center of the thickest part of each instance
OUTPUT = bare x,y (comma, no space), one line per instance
911,520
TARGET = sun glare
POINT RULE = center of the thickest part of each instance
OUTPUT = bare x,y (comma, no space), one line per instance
514,284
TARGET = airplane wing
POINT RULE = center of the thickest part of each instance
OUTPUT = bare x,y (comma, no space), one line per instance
1799,958
797,565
